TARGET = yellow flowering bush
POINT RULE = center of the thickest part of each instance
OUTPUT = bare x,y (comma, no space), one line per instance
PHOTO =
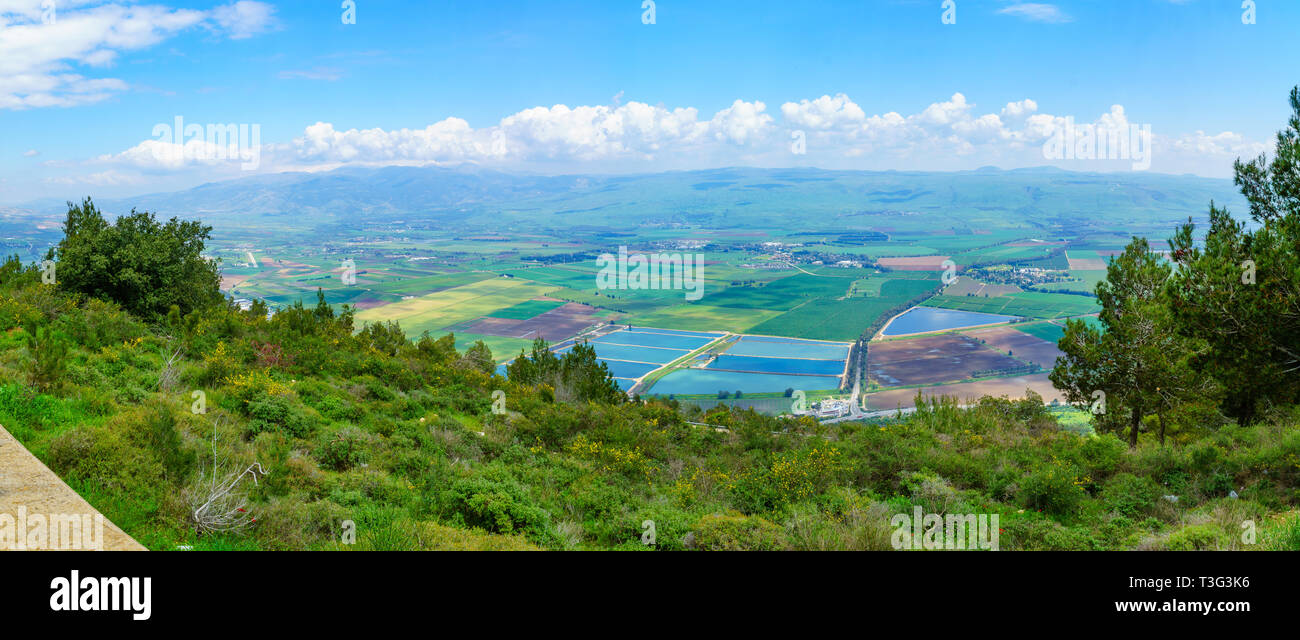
805,473
611,458
687,488
257,382
219,364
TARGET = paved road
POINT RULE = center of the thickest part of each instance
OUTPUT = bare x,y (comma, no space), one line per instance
27,484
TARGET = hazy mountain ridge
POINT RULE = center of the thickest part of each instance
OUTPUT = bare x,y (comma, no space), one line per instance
725,197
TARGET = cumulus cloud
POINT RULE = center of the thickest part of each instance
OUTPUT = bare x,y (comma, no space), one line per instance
543,134
1221,145
40,49
451,140
841,126
948,134
741,123
1021,109
823,113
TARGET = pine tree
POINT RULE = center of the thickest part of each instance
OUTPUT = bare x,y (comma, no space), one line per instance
1137,359
1240,292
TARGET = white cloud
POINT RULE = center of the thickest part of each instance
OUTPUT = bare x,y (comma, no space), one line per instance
99,179
38,57
1016,110
741,123
329,74
823,113
451,140
635,136
244,19
1036,12
1226,145
542,134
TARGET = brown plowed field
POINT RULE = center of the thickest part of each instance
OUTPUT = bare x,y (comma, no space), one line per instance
1021,345
932,360
967,392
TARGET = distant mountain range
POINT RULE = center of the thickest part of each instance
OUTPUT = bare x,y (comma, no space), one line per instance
728,197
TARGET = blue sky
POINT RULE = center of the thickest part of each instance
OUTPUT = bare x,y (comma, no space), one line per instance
871,85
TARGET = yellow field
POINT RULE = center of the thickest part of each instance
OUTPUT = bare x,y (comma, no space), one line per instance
445,308
698,317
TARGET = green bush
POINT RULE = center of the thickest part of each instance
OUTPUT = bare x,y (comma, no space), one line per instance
1286,536
101,323
1216,484
495,503
1052,490
163,438
107,456
755,492
277,414
344,449
1201,537
671,526
737,532
337,408
1130,495
1041,534
48,351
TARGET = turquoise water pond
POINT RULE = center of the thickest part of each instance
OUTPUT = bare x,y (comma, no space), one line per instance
606,351
778,365
923,319
646,339
788,348
705,381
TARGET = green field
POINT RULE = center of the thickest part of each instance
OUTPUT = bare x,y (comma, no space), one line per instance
349,295
503,348
430,284
526,310
1027,304
866,287
1045,330
846,319
573,279
1087,283
446,308
999,254
701,317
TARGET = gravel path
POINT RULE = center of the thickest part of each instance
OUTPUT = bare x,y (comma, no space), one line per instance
26,482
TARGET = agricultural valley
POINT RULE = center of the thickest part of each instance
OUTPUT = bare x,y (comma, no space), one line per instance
836,280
